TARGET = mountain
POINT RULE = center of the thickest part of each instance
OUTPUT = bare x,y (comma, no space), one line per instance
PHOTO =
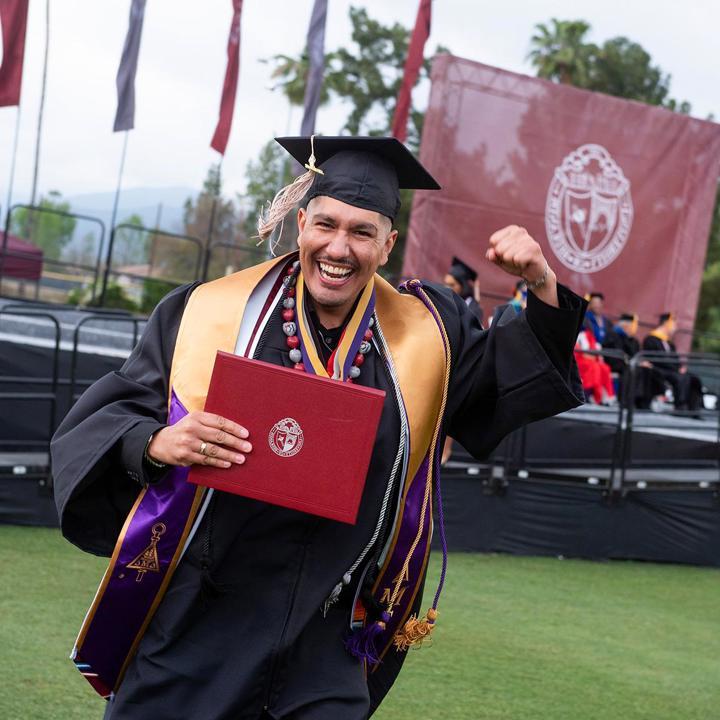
148,203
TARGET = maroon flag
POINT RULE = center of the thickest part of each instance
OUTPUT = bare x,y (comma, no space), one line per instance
412,68
13,20
227,102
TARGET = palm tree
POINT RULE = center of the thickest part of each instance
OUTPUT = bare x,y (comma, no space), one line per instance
560,53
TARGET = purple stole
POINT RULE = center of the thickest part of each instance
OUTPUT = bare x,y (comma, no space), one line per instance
165,516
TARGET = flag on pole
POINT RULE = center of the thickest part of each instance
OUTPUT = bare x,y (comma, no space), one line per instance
412,68
227,102
125,115
316,55
13,22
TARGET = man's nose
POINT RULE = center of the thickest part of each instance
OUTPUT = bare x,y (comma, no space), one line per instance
337,248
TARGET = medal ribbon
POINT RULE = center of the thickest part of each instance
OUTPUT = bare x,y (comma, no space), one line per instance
341,360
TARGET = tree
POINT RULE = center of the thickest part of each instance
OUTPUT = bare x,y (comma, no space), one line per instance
47,227
209,206
130,246
618,67
212,219
708,315
265,176
366,76
560,52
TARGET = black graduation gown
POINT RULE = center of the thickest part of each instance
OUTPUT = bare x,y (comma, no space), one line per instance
475,308
648,381
687,388
239,632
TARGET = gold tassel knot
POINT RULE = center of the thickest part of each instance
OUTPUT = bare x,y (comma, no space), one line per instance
415,632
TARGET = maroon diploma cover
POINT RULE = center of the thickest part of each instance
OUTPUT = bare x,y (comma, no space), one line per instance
312,437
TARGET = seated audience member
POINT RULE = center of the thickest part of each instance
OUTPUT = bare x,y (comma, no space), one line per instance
519,299
462,280
594,315
648,381
687,388
595,373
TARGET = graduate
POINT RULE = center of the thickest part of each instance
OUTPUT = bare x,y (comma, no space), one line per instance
217,606
462,279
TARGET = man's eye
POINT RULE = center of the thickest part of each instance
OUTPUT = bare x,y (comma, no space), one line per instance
362,233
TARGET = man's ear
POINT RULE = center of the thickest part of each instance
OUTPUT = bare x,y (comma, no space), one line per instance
301,218
388,246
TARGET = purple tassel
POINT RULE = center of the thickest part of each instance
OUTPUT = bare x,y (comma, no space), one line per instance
361,644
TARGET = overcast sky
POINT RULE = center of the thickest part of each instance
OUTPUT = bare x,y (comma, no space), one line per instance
182,65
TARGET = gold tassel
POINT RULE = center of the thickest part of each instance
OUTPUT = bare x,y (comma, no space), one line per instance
415,631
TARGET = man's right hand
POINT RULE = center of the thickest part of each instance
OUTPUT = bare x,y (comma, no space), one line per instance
222,441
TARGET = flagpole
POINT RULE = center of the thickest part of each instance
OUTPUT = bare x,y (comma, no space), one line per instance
211,224
108,258
12,168
42,103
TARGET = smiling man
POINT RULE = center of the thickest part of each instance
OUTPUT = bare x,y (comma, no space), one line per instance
258,611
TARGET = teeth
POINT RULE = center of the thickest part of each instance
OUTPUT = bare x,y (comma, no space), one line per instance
334,272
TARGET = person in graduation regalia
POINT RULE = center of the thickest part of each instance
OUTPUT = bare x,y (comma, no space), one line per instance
462,279
648,381
217,606
687,388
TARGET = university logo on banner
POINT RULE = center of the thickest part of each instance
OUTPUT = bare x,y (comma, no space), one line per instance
589,210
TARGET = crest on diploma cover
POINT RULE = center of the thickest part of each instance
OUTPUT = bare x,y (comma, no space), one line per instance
589,211
286,437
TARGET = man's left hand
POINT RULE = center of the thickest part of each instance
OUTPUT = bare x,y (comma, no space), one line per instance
515,251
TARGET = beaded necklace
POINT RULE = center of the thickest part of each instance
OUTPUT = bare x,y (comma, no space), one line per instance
355,341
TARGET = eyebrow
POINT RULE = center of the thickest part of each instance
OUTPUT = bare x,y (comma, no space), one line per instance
355,226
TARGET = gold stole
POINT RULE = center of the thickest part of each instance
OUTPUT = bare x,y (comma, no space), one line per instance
212,319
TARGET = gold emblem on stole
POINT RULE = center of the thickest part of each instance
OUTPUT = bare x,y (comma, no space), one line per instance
147,560
399,579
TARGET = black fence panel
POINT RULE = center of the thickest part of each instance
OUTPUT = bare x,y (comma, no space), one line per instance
51,255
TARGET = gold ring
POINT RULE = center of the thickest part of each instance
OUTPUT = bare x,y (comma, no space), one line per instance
202,448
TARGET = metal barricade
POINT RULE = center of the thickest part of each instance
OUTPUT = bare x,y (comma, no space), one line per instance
698,427
33,454
47,232
79,384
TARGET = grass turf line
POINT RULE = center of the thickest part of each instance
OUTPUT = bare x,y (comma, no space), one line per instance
517,639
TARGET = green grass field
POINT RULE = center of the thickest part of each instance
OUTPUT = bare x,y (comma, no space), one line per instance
517,639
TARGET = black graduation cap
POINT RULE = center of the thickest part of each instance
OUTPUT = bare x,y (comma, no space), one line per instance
628,317
366,172
461,271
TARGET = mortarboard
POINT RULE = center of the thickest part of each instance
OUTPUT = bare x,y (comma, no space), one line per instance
664,317
628,317
461,271
366,172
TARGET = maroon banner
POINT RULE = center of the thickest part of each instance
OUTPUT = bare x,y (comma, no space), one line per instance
619,194
13,20
413,63
227,102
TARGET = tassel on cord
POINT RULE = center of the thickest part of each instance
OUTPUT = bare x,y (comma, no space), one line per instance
282,204
285,200
415,631
363,643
